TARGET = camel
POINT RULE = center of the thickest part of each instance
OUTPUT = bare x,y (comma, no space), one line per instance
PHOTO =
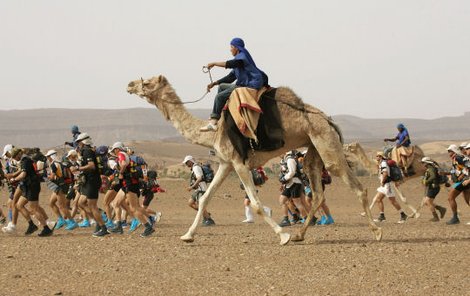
304,126
355,152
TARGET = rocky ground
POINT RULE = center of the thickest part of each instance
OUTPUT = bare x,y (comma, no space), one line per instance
231,258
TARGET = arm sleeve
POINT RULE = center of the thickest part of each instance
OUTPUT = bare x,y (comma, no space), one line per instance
234,64
228,79
197,170
292,168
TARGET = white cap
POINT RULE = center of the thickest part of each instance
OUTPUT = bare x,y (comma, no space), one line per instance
117,145
427,159
188,158
462,145
454,149
50,153
7,149
71,152
468,146
84,138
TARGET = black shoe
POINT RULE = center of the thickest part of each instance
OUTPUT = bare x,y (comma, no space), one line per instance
97,228
285,222
116,229
453,221
148,231
380,218
209,222
442,211
31,229
313,221
102,232
46,231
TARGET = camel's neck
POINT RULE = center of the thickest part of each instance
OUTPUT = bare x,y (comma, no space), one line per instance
183,121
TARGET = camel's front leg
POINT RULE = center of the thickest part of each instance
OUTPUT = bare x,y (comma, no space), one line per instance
250,189
220,175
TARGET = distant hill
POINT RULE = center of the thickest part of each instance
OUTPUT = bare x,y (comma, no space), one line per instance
50,127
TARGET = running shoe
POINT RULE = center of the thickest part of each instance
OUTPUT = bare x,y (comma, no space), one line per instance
116,229
60,223
453,221
84,223
31,228
442,211
148,231
71,225
381,218
124,224
248,221
102,232
10,228
109,224
403,218
134,225
285,222
329,220
46,231
158,217
322,221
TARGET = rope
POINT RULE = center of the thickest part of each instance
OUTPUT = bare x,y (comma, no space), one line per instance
205,69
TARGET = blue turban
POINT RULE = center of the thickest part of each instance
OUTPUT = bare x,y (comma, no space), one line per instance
239,44
401,125
74,129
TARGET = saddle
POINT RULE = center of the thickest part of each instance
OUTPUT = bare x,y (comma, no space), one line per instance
266,135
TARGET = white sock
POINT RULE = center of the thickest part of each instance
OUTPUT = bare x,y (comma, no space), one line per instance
249,213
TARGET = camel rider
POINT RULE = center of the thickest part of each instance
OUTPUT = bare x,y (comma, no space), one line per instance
403,146
75,134
244,71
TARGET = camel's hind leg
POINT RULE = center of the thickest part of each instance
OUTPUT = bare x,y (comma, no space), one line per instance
331,151
414,213
313,166
250,189
224,169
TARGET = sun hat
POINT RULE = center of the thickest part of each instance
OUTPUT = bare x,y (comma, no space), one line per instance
462,145
380,153
427,159
15,151
467,147
72,153
117,145
85,138
454,149
188,158
7,149
50,153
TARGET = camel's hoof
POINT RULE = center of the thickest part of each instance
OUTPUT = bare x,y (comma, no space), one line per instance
187,238
297,237
363,214
417,215
378,234
285,238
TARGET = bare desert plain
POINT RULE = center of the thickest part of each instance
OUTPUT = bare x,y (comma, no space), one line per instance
232,258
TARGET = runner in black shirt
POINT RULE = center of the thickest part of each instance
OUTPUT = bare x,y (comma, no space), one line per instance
32,188
92,181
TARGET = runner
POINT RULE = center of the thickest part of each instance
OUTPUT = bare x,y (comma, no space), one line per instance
32,188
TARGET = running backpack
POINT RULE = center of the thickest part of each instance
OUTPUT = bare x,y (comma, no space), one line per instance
395,171
208,172
258,177
138,166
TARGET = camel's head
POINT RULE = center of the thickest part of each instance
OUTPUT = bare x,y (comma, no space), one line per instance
150,89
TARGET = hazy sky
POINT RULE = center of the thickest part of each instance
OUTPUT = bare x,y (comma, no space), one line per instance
365,58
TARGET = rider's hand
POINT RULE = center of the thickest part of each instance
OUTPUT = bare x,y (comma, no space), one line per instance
210,65
210,85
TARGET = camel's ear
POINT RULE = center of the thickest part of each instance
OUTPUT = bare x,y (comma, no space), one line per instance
161,79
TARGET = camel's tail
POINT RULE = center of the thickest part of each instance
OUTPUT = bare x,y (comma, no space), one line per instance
337,129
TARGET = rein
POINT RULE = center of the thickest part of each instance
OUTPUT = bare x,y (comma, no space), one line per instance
204,70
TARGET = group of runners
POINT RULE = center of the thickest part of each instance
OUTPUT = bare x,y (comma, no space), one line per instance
78,177
75,181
